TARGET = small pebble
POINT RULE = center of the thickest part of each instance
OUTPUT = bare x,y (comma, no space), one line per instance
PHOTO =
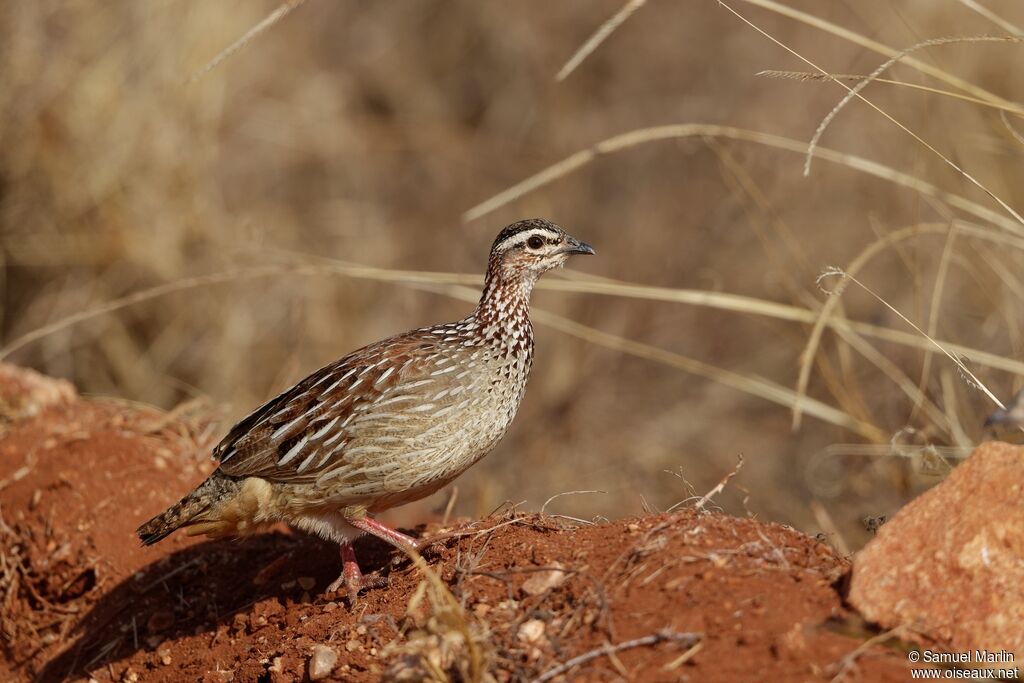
531,631
544,581
322,662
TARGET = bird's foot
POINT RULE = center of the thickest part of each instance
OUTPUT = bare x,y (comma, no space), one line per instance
353,585
352,578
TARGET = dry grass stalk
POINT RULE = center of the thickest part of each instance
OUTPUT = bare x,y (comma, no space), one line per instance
855,266
828,526
933,311
999,21
283,10
848,664
447,645
598,37
916,394
810,76
855,92
1017,135
882,68
564,493
688,640
685,130
721,485
968,376
875,46
755,386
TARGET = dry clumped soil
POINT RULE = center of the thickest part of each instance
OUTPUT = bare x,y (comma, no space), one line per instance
687,596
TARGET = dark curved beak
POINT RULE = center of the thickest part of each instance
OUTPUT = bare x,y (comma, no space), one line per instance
574,246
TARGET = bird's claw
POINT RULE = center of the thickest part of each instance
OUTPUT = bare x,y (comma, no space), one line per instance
353,585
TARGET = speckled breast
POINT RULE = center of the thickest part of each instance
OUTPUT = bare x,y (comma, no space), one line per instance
423,433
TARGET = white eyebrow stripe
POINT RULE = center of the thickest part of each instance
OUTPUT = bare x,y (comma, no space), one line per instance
521,237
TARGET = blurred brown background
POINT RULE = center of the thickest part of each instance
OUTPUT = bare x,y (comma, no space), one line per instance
363,130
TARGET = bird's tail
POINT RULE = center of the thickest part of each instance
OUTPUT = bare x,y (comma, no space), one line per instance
191,510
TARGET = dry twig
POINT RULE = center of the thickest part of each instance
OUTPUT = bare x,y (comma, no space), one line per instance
721,485
689,639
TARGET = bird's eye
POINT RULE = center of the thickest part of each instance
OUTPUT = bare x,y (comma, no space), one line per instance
535,242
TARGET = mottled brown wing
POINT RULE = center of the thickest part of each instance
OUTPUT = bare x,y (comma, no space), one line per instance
294,436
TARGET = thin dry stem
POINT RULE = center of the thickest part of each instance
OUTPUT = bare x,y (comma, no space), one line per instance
810,76
855,92
706,498
882,68
897,376
860,261
564,493
1017,135
750,384
875,46
969,376
936,303
684,130
849,662
1007,26
283,10
607,650
598,37
828,525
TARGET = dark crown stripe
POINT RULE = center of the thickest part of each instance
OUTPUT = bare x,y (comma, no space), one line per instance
526,226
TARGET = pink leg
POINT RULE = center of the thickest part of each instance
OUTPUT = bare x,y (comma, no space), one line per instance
351,577
385,533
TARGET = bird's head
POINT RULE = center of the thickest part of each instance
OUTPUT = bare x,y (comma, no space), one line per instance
526,249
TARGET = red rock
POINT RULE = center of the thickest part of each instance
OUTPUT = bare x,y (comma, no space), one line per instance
950,564
24,392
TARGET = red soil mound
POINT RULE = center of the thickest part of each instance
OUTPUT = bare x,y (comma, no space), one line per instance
522,594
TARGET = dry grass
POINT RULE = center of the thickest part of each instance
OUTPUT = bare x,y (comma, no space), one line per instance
165,238
443,644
